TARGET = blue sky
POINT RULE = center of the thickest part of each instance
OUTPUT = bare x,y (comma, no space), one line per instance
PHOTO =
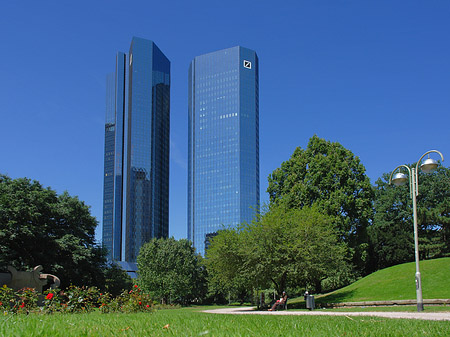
372,75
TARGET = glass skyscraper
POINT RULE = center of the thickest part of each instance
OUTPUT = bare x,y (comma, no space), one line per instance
223,173
146,151
113,164
148,146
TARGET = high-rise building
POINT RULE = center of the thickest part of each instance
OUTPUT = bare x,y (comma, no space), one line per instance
223,173
146,214
113,164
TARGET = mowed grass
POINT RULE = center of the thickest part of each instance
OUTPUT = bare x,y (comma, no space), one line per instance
192,322
395,308
389,284
397,283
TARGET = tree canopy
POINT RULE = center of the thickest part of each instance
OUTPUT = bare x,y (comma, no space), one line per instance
392,235
330,176
39,227
284,247
226,261
171,270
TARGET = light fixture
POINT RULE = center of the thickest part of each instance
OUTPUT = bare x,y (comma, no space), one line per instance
400,179
429,165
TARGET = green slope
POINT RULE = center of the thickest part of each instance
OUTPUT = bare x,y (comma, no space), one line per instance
397,283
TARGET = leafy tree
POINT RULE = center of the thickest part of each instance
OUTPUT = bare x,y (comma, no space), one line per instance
433,208
285,247
333,178
171,270
39,227
225,261
392,233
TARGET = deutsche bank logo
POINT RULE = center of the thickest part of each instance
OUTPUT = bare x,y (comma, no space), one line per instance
247,64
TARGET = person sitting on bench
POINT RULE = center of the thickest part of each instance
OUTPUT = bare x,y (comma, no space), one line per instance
279,302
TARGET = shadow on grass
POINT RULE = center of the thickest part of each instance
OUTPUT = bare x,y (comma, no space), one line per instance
343,296
322,301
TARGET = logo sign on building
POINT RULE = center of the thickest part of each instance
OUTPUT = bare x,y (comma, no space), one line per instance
247,64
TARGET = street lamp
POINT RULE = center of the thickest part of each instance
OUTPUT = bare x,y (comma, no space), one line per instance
428,166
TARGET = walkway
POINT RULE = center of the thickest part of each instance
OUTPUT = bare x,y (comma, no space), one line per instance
433,316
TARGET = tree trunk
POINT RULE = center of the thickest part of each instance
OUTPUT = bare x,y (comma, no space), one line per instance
318,286
282,283
277,288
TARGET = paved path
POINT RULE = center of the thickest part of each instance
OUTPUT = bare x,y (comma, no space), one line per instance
434,316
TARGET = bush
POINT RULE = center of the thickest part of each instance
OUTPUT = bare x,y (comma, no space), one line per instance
7,298
81,299
22,301
74,300
134,300
26,300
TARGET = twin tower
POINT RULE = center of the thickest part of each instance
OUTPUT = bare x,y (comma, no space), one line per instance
223,147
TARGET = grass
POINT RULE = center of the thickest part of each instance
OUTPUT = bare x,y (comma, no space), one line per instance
396,308
397,283
392,283
192,322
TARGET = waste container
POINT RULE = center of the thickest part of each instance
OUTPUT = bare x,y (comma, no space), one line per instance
310,304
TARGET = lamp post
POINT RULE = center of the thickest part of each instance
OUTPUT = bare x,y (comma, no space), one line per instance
428,166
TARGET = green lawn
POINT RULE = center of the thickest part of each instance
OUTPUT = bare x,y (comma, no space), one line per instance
397,283
192,322
395,308
392,283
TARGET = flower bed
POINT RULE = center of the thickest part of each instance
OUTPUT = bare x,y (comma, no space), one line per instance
73,300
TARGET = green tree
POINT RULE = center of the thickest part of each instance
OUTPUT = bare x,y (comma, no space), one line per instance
284,247
39,227
171,270
333,178
392,235
225,262
433,208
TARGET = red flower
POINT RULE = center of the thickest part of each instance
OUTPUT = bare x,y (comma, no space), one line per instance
22,305
101,294
140,303
148,306
49,296
135,285
1,303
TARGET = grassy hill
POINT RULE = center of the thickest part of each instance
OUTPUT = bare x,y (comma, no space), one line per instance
397,283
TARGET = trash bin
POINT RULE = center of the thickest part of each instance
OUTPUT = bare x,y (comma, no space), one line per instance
310,304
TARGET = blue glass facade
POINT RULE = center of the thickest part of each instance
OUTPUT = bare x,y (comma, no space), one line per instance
147,210
133,217
113,162
223,173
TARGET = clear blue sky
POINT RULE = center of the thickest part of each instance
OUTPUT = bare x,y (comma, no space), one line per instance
372,75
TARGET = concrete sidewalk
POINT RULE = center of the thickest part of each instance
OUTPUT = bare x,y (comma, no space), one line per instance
433,316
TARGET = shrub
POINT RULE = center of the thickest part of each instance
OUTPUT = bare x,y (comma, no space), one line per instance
22,301
81,299
7,298
54,301
134,300
74,300
26,300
